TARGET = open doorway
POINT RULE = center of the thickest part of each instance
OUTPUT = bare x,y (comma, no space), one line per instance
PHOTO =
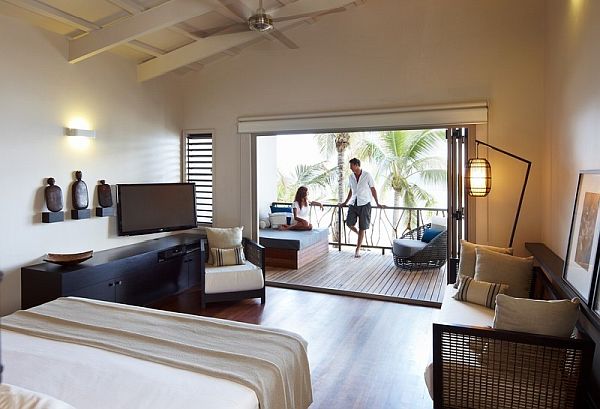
410,170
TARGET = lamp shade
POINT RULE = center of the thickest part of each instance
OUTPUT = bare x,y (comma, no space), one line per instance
478,177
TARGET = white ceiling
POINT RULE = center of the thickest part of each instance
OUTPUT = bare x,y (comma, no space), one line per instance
164,36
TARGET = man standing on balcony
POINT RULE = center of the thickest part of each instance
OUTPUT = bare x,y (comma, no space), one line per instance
362,187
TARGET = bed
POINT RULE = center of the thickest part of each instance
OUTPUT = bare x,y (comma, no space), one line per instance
96,354
293,248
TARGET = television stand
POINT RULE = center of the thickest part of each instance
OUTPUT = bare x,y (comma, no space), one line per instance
137,274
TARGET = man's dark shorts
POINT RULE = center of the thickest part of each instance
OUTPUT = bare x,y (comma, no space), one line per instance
362,213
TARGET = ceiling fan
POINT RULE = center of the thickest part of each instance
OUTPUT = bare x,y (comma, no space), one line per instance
261,21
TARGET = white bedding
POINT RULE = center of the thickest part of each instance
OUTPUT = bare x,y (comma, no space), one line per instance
87,377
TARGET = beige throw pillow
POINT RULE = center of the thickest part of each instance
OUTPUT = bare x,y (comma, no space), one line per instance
223,238
555,318
516,272
228,257
479,292
466,265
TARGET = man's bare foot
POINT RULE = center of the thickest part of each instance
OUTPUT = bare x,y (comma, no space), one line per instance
357,254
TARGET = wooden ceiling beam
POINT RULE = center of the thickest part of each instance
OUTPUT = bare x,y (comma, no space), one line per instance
209,46
45,10
151,20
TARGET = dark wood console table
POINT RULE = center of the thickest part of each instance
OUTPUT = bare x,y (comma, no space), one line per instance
137,274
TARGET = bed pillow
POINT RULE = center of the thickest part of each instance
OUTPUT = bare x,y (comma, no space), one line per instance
466,265
16,397
228,257
516,272
555,318
223,238
479,292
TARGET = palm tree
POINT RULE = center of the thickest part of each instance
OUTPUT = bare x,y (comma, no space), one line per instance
316,175
338,143
404,159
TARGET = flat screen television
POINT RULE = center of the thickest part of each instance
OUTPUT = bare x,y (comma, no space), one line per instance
155,207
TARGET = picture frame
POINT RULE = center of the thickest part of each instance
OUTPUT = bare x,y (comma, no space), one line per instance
581,264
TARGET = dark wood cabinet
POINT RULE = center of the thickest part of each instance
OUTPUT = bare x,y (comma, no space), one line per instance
138,274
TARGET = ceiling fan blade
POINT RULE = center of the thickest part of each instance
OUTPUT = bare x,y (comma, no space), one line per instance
309,15
285,40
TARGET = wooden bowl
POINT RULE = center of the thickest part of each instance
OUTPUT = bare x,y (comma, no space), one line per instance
67,259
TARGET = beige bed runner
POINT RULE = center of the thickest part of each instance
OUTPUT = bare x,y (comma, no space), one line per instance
273,363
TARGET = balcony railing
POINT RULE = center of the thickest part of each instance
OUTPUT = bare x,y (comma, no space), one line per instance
387,223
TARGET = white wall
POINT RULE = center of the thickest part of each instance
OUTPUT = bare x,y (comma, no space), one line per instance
137,140
572,110
389,54
267,176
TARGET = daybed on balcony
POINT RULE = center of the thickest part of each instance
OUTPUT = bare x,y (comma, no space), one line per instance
292,248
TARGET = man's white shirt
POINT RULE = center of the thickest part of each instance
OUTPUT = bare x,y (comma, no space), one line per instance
361,189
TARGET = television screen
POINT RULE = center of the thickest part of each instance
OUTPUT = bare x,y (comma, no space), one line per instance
155,207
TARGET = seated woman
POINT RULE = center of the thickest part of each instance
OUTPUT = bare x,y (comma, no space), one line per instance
301,211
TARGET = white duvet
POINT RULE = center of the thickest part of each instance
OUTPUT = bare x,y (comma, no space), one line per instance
86,377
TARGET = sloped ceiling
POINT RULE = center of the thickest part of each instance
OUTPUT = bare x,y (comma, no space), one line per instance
168,36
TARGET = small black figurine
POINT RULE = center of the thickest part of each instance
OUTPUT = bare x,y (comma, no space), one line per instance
53,195
80,193
104,194
54,203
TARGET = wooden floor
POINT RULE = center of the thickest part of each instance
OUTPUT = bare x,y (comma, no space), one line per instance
362,353
373,275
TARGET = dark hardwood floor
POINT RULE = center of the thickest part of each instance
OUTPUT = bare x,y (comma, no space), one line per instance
363,353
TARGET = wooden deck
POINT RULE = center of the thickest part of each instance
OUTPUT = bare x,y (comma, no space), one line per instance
371,276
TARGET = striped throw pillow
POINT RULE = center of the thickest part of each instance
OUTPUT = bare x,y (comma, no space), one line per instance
228,257
479,292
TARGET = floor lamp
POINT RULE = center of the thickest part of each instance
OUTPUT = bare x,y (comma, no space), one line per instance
479,179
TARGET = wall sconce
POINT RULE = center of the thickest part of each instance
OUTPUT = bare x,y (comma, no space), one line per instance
478,179
88,133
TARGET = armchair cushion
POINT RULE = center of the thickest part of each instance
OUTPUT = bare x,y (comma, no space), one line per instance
228,257
227,279
223,238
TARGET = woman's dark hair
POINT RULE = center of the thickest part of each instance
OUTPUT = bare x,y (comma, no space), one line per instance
355,161
301,195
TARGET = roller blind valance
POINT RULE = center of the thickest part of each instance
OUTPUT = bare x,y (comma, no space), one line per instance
399,118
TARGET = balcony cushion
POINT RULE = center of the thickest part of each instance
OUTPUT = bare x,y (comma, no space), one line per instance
431,233
405,248
233,278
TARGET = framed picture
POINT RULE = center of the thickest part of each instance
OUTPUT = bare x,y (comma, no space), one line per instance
581,264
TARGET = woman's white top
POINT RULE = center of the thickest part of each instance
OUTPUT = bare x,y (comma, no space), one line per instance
303,212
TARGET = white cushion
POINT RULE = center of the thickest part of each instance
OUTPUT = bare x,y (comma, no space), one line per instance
438,221
555,317
233,278
223,238
466,265
14,397
516,272
277,219
463,313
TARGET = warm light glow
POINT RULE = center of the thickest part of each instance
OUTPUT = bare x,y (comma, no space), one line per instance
79,143
79,123
478,177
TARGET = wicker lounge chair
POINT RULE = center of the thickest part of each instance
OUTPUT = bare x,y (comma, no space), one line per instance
413,254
